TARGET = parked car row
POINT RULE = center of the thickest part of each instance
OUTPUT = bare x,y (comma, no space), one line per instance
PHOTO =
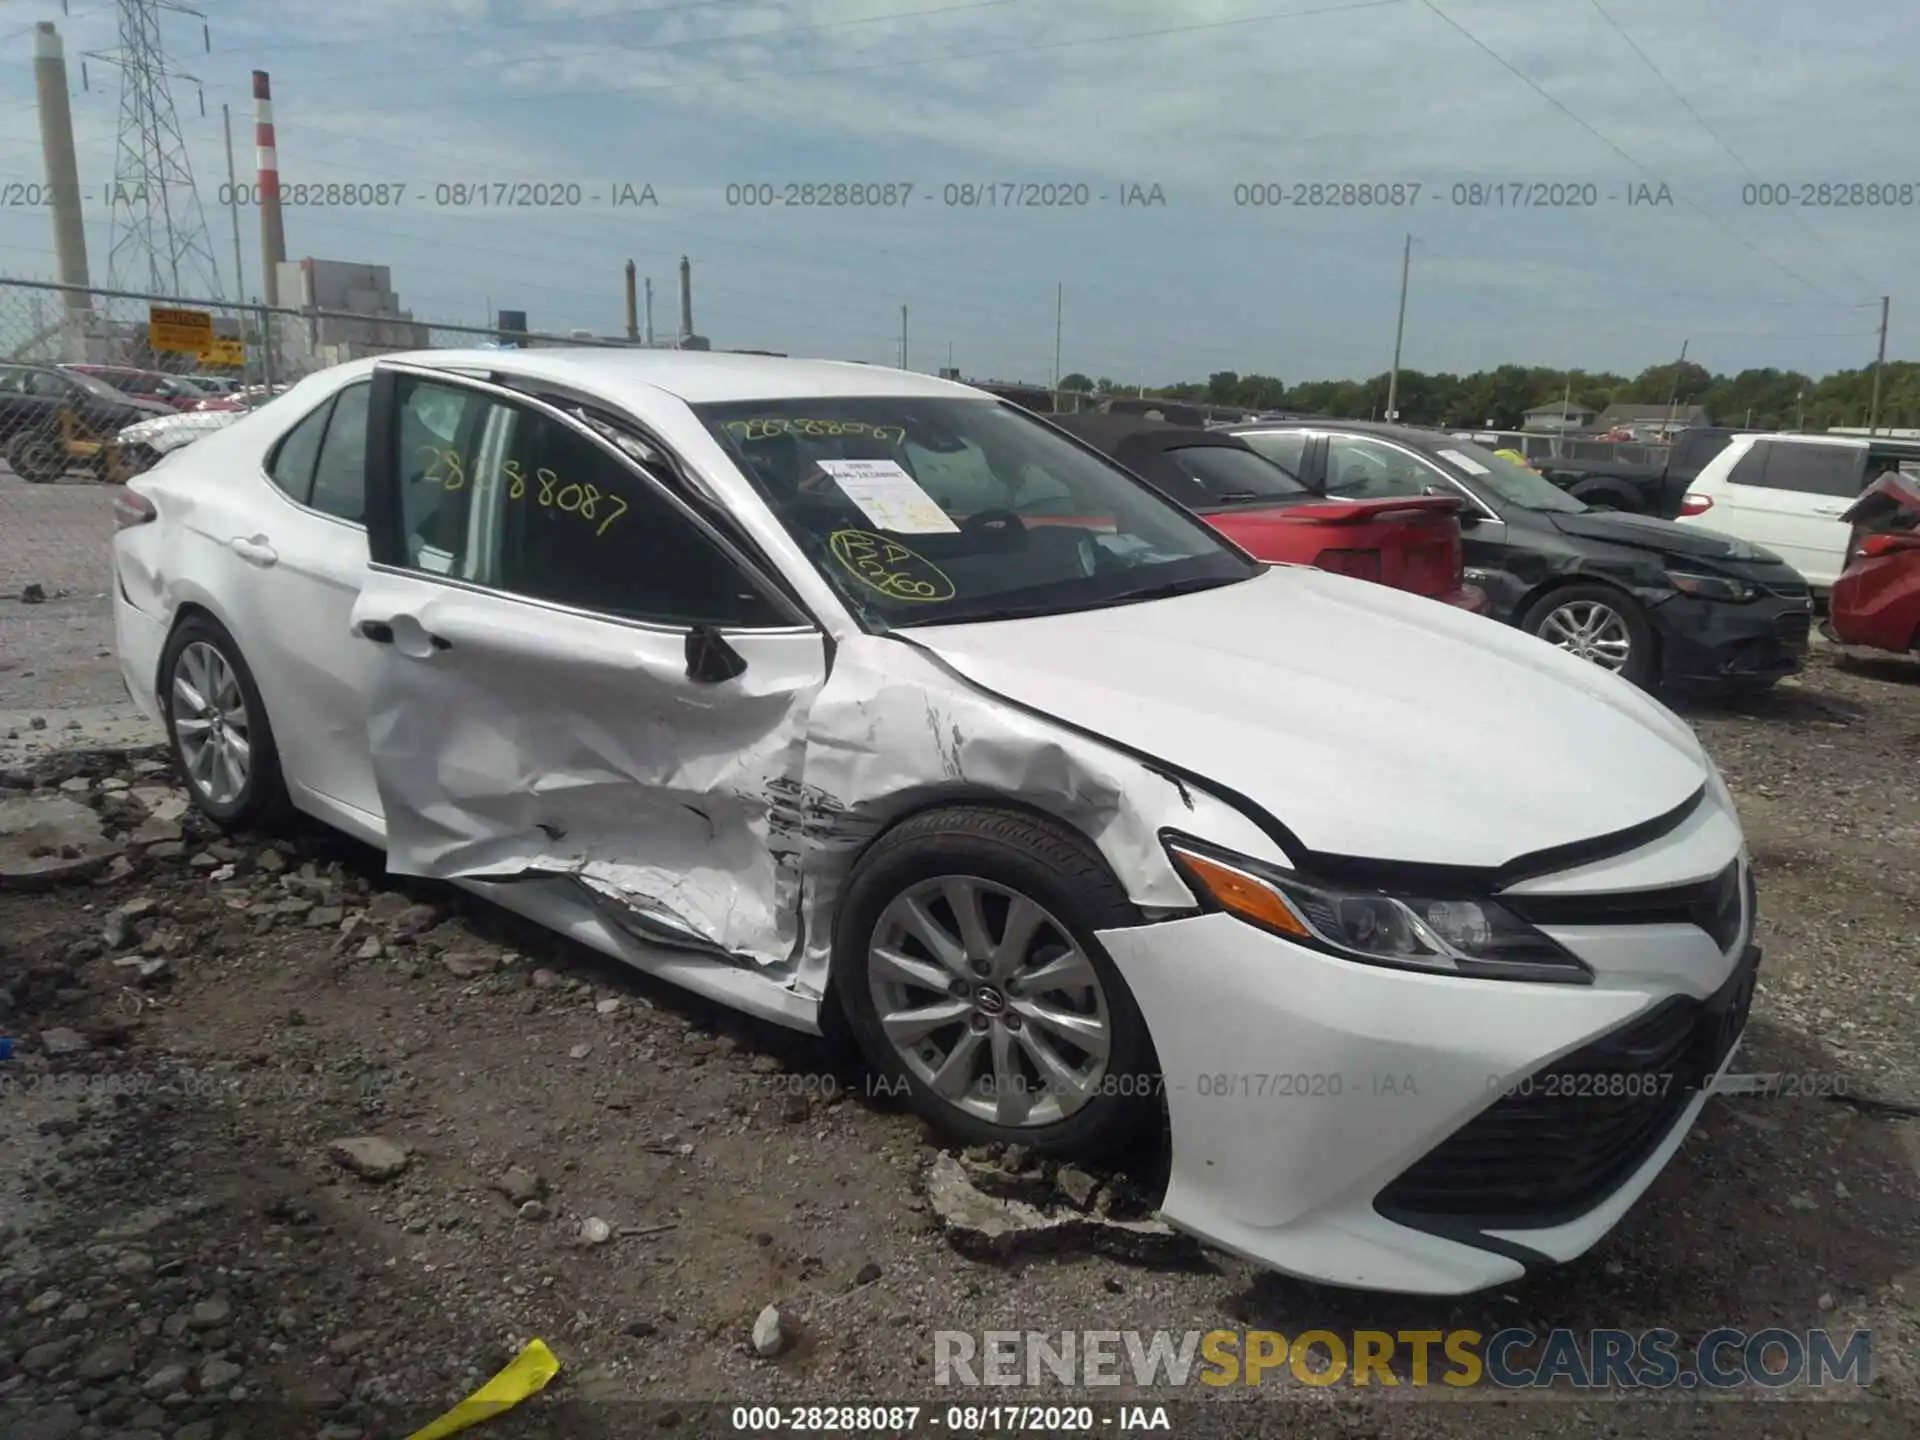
863,701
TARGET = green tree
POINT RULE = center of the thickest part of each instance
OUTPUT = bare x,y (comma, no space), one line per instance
1077,382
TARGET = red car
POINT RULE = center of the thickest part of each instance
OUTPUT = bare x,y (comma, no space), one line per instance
173,390
1876,601
1409,544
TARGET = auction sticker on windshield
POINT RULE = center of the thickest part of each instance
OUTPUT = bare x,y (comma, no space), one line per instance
889,497
1465,462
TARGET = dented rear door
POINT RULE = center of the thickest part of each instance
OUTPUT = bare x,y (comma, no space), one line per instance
574,674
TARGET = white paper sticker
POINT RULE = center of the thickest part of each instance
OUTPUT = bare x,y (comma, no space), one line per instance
1466,462
889,497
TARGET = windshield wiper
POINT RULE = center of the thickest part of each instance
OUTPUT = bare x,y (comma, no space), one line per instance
1165,592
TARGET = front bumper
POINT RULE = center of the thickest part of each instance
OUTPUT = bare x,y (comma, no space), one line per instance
1314,1103
1712,642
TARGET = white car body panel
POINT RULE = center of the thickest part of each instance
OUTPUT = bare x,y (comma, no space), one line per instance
1804,529
562,764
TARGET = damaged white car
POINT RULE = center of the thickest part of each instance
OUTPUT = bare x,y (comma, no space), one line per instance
809,685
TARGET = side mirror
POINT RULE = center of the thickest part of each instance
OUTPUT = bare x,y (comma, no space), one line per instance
710,659
1469,518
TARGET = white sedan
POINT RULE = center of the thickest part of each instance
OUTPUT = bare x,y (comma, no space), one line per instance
821,688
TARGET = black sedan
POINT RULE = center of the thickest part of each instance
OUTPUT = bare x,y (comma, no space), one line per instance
1651,600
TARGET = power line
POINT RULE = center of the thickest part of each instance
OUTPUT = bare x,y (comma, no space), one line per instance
1641,166
760,76
465,32
695,42
1718,139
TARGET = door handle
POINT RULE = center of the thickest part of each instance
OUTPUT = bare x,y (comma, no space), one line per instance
382,632
255,551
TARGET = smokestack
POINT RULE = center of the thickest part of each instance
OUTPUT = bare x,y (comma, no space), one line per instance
273,234
686,298
633,303
63,170
649,333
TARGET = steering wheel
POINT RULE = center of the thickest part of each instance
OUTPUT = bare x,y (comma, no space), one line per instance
1001,524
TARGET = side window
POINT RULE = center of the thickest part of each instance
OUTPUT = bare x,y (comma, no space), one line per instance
53,387
1285,448
1835,470
502,496
291,464
1750,468
1359,468
13,382
340,476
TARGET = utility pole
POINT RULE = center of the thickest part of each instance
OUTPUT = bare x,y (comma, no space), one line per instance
903,337
1879,364
1399,333
1801,401
1059,303
1673,395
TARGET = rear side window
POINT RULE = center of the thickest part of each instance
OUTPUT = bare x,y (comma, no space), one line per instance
340,476
1809,469
291,465
1287,449
1229,474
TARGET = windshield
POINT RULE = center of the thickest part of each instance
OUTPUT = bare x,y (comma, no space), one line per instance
939,511
94,385
1230,475
1515,484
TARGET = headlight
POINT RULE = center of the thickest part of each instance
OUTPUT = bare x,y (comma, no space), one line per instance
1712,587
1452,936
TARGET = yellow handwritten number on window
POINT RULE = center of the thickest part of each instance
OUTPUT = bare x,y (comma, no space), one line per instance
890,567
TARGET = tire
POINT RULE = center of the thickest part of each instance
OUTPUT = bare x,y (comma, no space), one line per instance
260,795
1095,1106
37,459
1561,617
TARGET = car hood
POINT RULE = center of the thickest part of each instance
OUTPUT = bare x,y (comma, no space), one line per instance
1371,723
1645,532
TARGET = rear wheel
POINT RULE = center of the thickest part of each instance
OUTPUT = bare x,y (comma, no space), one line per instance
222,745
966,963
1598,624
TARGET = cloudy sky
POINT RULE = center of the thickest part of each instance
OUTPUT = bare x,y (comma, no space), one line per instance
1604,99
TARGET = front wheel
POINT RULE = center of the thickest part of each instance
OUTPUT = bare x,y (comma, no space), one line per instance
1597,624
37,459
965,958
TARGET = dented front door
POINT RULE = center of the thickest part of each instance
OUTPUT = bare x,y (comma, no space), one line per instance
530,719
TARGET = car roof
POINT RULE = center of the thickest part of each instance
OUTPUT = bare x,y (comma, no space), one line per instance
1405,434
696,377
1861,442
1110,431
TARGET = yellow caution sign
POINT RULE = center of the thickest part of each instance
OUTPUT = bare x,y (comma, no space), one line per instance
187,330
528,1375
222,351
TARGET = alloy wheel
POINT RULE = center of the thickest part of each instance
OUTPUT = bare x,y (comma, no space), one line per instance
210,718
988,1001
1591,630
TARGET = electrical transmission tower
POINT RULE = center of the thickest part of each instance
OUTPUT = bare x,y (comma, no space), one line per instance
160,241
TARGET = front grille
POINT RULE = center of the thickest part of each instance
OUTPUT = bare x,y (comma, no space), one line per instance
1567,1136
1794,628
1714,905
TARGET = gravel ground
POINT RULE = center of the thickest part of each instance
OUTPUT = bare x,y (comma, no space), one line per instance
183,1253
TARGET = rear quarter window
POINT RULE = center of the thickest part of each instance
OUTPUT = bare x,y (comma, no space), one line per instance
1835,470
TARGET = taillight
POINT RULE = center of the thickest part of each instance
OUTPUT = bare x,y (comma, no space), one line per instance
130,509
1361,564
1695,505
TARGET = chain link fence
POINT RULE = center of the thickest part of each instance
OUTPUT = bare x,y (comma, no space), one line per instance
80,366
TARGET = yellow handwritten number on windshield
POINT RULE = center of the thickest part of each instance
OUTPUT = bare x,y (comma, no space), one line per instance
890,567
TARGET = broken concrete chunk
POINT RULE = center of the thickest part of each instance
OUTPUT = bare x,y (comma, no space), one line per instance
987,1227
769,1334
64,1042
1076,1185
369,1157
520,1185
48,840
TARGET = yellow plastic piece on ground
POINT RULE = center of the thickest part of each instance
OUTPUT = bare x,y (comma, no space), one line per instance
528,1375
